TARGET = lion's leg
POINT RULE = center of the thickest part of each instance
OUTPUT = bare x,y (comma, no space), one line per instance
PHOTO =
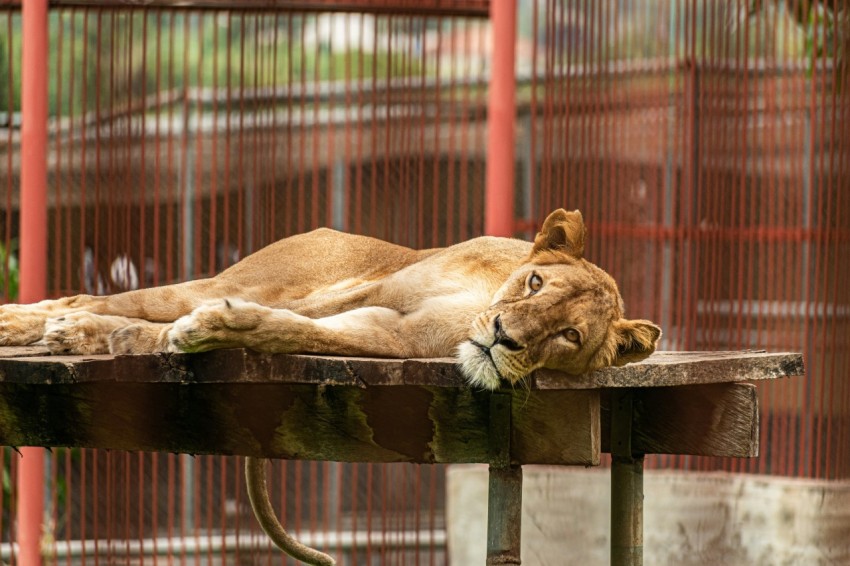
87,333
140,338
368,331
25,324
433,330
81,332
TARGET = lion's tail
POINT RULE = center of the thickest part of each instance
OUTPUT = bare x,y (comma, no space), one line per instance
255,474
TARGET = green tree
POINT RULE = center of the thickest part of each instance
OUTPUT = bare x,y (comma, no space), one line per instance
9,271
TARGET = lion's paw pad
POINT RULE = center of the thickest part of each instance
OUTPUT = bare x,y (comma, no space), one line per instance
77,333
185,336
215,324
139,338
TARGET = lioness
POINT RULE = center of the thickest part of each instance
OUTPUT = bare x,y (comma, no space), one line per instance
504,307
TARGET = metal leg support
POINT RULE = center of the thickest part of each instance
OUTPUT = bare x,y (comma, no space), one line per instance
626,485
504,513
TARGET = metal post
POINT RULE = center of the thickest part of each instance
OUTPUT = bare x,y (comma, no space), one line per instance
33,284
626,485
501,118
504,502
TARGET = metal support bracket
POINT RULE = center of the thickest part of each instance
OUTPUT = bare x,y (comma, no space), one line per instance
504,504
626,484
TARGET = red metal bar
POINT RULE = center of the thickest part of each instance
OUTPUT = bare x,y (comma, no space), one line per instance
10,103
501,118
33,274
464,141
70,484
314,134
420,179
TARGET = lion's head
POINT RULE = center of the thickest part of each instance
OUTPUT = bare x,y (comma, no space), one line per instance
557,311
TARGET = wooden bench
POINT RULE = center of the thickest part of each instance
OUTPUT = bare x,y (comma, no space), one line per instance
369,410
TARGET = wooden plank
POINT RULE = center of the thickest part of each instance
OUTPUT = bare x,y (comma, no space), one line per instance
230,366
553,426
660,369
322,407
402,423
718,419
297,421
22,351
663,369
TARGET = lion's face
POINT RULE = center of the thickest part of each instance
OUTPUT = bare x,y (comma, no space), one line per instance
557,311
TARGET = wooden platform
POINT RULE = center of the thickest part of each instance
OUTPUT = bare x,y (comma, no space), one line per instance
351,409
380,410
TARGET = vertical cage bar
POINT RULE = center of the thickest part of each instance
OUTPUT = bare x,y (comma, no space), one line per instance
33,275
501,118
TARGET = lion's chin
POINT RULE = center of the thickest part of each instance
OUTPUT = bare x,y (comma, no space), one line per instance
478,368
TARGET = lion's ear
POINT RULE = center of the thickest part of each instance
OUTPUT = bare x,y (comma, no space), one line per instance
562,232
636,340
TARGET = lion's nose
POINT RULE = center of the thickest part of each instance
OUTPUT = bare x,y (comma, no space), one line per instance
501,337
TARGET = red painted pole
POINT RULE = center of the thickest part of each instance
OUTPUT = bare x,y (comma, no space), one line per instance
501,118
33,282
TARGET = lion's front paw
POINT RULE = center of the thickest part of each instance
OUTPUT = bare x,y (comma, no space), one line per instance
21,324
222,323
81,333
139,338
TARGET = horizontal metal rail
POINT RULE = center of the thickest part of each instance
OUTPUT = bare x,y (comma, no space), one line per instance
175,546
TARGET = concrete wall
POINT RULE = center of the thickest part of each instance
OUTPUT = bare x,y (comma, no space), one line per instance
690,518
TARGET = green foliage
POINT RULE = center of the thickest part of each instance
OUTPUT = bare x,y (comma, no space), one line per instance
59,458
827,34
9,270
104,60
8,508
825,27
4,77
10,75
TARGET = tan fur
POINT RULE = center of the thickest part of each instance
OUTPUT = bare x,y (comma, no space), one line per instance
327,292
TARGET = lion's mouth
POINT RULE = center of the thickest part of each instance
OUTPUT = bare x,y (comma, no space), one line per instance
478,366
489,355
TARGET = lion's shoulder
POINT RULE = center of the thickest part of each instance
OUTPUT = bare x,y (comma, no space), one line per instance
485,254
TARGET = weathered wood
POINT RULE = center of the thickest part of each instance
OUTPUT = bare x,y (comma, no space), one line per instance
660,369
549,426
663,369
626,483
719,419
499,429
278,420
297,421
22,351
355,409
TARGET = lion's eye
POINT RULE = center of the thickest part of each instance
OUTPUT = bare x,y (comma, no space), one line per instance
572,335
535,282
